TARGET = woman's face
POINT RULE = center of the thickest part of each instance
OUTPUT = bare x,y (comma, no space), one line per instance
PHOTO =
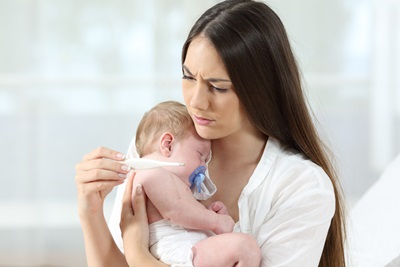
209,94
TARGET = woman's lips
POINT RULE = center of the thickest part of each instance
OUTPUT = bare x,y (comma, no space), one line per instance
201,121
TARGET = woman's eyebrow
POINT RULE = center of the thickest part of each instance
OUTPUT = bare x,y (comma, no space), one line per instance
218,80
186,69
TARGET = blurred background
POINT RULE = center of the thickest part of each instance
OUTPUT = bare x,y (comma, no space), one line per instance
75,75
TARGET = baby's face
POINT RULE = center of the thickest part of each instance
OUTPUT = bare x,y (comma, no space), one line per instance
194,151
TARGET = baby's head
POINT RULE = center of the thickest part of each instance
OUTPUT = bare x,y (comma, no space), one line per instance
167,131
169,116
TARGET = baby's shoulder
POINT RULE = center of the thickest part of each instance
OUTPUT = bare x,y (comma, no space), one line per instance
153,175
144,176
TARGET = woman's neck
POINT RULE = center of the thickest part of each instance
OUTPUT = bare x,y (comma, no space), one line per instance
240,150
234,160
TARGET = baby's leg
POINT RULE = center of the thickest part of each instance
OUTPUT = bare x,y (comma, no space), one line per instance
227,250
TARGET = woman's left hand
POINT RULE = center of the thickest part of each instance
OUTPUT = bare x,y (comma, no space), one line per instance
134,223
135,228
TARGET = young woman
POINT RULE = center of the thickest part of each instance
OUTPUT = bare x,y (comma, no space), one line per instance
242,87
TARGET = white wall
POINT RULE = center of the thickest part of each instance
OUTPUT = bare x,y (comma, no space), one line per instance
75,75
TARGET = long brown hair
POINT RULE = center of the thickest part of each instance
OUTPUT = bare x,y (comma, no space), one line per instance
253,44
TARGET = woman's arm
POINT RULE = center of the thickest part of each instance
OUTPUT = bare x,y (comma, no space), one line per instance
100,247
135,229
96,176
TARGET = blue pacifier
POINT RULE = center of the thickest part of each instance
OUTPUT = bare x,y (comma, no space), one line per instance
197,177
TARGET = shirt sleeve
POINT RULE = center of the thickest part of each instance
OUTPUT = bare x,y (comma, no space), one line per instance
301,206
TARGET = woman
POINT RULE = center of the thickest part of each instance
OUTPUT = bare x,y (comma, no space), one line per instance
242,87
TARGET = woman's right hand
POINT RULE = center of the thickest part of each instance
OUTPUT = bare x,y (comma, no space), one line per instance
96,176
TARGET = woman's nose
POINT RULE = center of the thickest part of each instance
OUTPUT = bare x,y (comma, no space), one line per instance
199,98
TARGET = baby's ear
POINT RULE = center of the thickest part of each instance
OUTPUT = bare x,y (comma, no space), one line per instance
166,144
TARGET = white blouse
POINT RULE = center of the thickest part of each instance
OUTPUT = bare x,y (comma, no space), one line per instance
287,205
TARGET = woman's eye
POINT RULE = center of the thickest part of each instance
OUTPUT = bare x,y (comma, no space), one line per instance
219,90
185,77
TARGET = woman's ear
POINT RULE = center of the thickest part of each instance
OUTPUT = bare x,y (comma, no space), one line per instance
165,144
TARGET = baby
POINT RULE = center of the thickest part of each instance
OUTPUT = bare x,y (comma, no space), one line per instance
182,231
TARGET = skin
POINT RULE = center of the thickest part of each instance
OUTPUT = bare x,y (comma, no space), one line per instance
218,115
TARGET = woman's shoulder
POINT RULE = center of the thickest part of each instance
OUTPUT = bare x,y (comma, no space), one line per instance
285,185
290,167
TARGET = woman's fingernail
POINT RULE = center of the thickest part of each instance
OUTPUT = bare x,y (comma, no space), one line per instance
120,156
139,189
122,175
125,167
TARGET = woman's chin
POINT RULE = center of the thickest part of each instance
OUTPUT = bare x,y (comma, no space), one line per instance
204,133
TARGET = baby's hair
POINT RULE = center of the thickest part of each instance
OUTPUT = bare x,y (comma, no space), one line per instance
168,116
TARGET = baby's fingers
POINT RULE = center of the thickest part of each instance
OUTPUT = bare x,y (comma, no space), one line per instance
218,207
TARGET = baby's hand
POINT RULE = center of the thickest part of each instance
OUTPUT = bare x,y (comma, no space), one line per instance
218,207
225,224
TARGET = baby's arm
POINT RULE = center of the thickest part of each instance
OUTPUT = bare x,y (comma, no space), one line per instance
175,201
